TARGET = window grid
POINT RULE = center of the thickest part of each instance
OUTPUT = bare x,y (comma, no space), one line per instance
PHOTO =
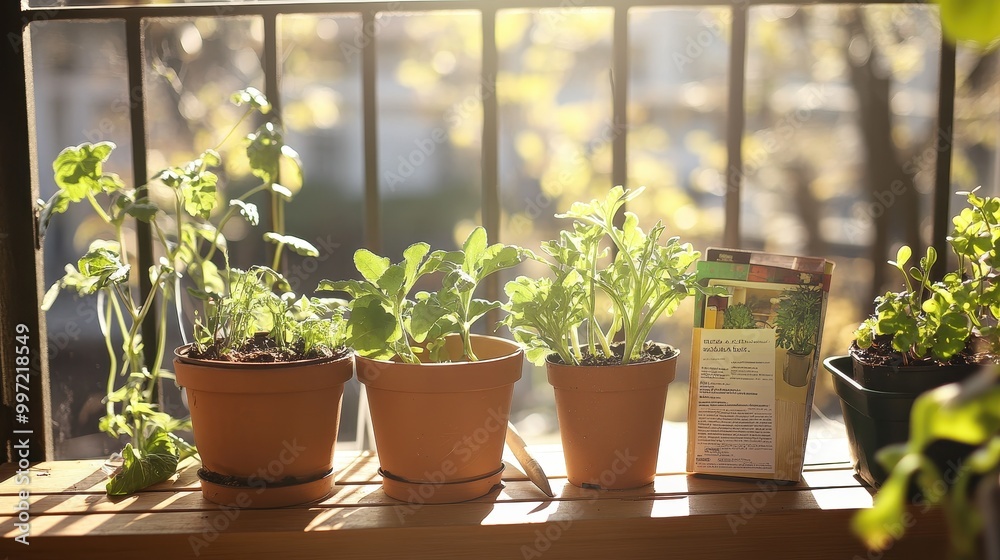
134,16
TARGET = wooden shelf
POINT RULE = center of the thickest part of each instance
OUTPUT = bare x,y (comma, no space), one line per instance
679,516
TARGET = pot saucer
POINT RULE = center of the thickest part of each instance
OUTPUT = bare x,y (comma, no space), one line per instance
271,496
439,493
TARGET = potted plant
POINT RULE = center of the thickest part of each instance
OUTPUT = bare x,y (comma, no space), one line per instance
930,334
439,395
236,304
610,396
264,380
796,325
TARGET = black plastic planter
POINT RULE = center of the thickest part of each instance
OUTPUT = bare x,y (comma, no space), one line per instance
877,418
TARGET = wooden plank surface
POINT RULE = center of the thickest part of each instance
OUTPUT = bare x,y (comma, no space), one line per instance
679,516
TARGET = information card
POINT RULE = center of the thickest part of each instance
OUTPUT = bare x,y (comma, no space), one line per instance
754,358
735,400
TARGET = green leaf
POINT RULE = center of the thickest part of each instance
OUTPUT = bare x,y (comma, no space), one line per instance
290,167
264,151
413,256
370,265
253,97
57,204
902,256
142,211
79,170
974,21
353,287
199,194
104,265
474,247
155,463
206,275
879,526
371,330
247,210
299,245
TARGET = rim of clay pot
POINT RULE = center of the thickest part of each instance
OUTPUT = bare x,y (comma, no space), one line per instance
256,378
503,367
674,352
181,354
630,377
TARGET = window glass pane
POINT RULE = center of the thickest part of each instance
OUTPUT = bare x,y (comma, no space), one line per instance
321,111
841,107
81,95
679,65
430,128
976,160
554,94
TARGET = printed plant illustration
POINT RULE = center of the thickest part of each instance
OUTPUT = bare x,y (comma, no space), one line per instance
798,319
738,316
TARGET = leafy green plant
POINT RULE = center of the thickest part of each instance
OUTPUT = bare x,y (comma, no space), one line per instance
190,245
967,413
385,323
738,316
644,280
939,319
252,318
798,319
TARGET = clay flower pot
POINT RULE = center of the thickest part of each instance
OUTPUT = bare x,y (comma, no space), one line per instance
265,432
440,427
610,419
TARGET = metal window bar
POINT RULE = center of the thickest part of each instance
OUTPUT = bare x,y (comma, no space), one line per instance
17,19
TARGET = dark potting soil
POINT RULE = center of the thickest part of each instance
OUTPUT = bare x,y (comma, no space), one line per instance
650,353
262,350
881,353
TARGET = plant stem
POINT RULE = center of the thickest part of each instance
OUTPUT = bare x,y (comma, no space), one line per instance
161,344
97,208
104,322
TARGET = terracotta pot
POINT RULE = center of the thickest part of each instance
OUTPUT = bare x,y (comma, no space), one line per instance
272,427
797,368
610,419
440,428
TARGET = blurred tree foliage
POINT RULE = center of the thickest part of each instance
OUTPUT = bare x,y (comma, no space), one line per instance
840,122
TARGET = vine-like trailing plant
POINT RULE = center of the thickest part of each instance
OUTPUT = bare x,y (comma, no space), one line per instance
189,245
